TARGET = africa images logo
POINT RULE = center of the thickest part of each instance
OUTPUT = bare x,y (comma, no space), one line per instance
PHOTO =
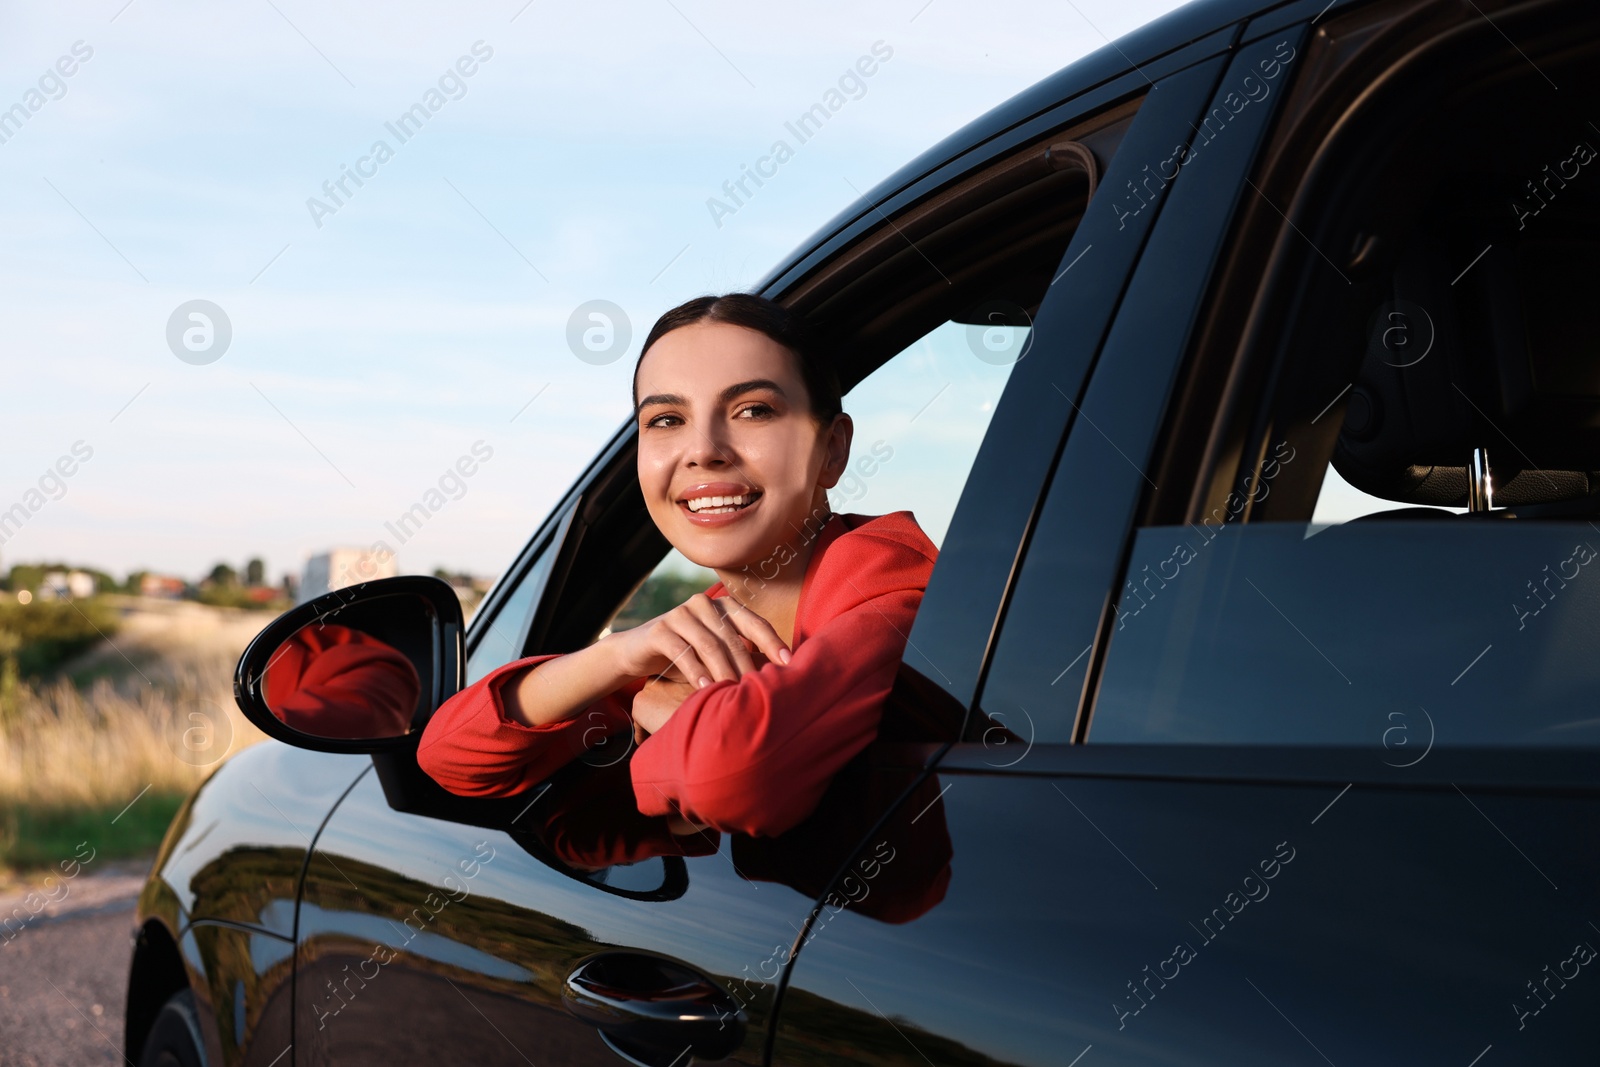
199,332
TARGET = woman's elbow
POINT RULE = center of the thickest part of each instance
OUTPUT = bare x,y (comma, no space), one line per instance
456,771
438,765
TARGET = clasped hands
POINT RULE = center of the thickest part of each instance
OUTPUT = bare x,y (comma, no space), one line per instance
703,640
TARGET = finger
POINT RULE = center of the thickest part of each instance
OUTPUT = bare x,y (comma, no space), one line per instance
674,676
711,647
684,658
757,629
711,615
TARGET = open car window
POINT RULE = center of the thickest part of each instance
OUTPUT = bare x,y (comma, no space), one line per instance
918,419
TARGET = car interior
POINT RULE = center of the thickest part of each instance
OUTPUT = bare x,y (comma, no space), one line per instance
1446,365
1516,374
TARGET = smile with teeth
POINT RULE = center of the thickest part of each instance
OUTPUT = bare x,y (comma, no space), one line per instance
720,505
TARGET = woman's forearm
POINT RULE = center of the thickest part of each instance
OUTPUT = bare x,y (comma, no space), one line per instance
562,687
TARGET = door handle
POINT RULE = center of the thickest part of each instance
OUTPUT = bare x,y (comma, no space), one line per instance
651,1009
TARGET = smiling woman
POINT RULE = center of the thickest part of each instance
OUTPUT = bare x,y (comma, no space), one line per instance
746,698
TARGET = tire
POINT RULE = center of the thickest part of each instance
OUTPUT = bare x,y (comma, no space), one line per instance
174,1039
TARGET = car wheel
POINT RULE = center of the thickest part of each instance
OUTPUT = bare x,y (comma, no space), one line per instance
174,1038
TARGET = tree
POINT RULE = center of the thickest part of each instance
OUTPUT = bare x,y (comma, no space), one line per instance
26,576
255,572
224,576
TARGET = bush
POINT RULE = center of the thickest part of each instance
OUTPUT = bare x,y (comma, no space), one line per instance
659,594
38,637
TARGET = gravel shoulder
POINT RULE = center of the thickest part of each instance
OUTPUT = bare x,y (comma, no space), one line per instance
63,964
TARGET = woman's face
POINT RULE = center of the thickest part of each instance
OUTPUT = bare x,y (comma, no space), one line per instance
723,413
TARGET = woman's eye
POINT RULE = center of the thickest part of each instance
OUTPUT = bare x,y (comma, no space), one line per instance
657,420
756,411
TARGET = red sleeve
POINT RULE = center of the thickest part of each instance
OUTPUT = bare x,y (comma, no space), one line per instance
332,681
755,755
471,748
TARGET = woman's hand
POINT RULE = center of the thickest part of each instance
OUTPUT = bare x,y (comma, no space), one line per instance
700,641
654,704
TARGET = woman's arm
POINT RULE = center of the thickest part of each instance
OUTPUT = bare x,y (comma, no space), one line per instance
545,693
697,641
474,747
520,723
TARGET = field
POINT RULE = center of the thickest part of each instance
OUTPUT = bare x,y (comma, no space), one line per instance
104,748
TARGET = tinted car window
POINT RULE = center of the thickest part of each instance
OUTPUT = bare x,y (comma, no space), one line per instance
1432,412
1280,633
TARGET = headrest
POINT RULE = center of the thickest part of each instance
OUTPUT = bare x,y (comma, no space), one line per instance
1501,352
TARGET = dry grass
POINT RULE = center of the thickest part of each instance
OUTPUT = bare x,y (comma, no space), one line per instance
64,747
147,715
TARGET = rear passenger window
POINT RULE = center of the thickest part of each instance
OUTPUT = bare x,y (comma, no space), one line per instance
1412,552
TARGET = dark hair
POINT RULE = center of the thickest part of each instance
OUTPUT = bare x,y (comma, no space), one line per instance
788,328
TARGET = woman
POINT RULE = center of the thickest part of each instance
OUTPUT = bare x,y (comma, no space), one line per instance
749,697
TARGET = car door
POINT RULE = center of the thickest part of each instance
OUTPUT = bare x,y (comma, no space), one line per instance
1246,787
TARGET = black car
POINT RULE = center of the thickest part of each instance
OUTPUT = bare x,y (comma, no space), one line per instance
1250,715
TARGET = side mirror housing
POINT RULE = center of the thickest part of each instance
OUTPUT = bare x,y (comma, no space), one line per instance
359,669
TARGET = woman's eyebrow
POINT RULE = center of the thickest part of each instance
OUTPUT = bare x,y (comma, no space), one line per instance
745,387
723,397
660,397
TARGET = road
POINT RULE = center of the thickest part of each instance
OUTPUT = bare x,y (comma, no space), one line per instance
64,975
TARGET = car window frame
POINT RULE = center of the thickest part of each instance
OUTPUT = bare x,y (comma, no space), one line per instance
1102,473
951,639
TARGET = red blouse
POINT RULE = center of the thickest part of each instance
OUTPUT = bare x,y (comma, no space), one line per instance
332,681
752,755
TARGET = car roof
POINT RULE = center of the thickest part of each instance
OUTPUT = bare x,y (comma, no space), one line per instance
1177,28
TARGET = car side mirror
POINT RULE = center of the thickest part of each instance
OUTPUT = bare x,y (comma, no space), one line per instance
359,669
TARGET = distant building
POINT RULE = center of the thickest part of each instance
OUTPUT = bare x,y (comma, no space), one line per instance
65,584
162,585
341,567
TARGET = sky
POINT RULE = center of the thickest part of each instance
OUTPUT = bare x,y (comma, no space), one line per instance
210,354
